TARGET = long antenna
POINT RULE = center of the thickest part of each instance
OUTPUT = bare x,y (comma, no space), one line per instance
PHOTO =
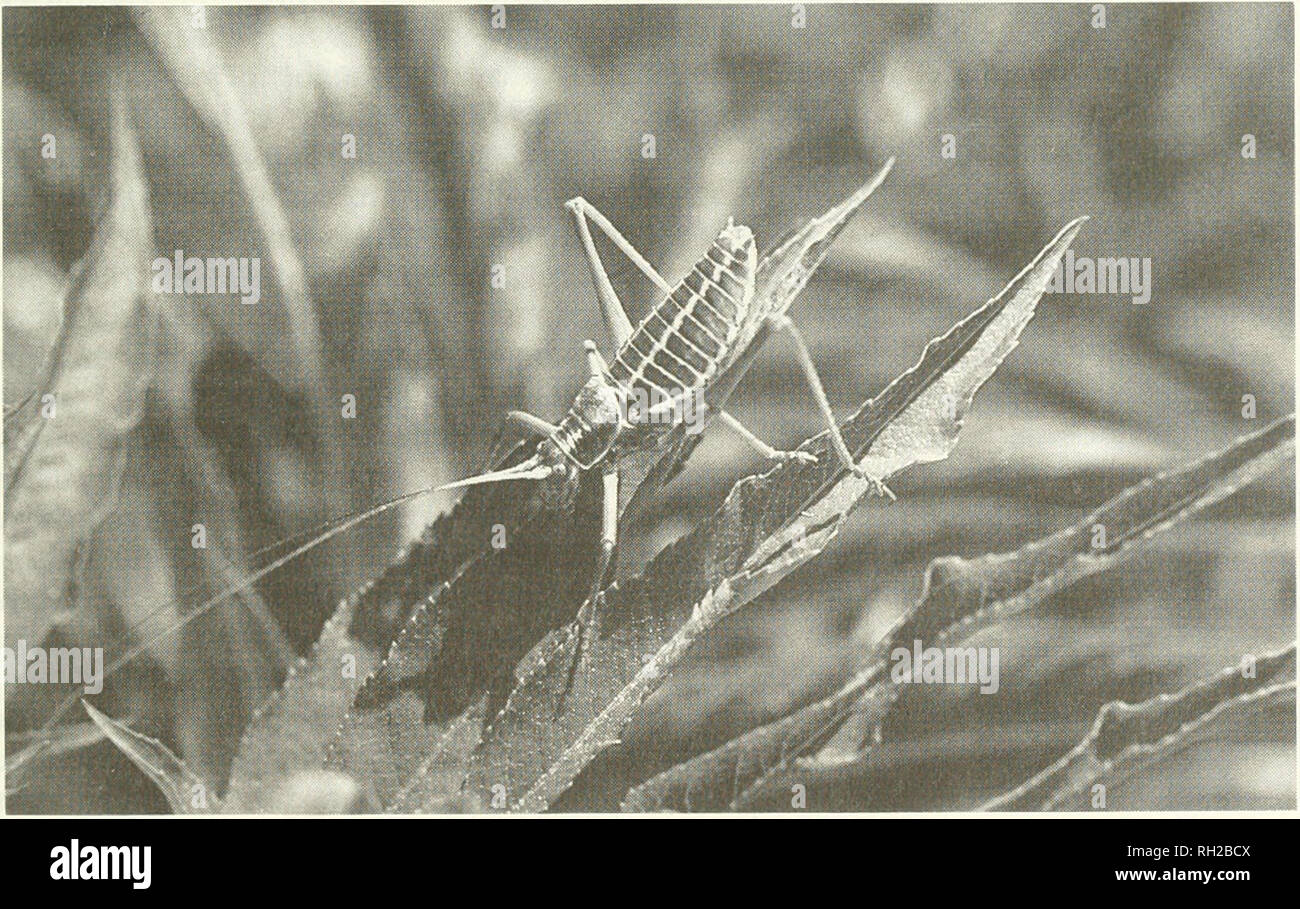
135,650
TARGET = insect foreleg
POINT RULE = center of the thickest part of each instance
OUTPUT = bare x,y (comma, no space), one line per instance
536,424
815,383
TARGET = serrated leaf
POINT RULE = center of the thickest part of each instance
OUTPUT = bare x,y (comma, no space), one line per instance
184,791
476,621
768,526
444,546
472,629
288,734
1127,738
960,597
435,787
62,472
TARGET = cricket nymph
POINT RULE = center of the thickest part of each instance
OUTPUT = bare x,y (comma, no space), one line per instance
697,340
664,364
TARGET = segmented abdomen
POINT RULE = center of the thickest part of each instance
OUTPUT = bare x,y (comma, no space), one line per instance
678,346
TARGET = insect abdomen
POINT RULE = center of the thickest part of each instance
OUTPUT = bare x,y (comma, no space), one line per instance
678,346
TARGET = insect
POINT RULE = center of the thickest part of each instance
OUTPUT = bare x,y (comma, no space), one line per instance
677,365
703,326
690,350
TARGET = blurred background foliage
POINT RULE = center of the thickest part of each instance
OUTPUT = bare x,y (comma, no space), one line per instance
469,139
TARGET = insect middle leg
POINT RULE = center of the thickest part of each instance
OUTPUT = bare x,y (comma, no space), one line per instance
762,447
589,623
609,494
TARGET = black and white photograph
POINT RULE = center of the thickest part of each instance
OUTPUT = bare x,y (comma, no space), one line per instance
649,409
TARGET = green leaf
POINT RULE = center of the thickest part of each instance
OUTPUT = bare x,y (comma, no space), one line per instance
480,618
768,526
289,733
184,791
62,471
1128,738
960,597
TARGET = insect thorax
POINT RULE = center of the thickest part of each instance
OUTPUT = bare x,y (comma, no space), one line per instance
590,428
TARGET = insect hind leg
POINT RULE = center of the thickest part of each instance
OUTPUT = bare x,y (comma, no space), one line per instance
824,405
583,210
611,307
